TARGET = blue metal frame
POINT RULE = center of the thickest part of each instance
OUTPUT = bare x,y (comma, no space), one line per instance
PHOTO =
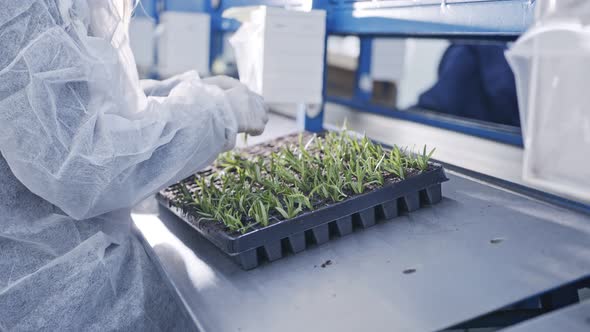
430,17
363,69
185,5
497,19
390,18
225,4
361,101
430,119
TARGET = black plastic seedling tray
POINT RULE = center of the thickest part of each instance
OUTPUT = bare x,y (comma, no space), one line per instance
319,226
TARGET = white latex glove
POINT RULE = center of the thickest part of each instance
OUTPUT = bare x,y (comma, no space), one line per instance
223,82
248,107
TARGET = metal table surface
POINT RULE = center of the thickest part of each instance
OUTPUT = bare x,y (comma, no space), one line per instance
575,318
459,273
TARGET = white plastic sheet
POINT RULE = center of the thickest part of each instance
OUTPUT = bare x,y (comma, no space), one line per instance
551,63
248,43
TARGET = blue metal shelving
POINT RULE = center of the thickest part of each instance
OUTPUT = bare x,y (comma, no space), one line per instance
489,19
186,5
225,4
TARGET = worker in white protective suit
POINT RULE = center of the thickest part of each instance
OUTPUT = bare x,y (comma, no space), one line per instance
80,144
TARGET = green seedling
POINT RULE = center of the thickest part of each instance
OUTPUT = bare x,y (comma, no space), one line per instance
293,205
396,163
259,211
242,190
329,192
421,161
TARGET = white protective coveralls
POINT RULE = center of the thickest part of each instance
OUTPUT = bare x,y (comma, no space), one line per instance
80,144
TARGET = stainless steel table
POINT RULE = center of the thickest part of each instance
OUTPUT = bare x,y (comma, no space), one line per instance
480,249
575,318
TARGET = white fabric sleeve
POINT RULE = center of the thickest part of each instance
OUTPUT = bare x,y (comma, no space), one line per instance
162,88
77,131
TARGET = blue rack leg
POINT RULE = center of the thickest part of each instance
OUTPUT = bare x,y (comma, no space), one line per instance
364,93
316,124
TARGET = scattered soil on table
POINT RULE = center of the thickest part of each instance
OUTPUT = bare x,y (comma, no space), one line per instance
409,271
327,263
496,240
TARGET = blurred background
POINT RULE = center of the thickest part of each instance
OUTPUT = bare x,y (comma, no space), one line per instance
463,80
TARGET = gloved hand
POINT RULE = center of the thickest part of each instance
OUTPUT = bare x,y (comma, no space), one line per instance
157,88
223,82
248,107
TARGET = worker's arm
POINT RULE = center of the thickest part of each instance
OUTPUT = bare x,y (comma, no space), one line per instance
74,130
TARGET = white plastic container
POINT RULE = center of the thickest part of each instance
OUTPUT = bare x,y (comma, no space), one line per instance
551,63
183,43
280,53
388,58
141,39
